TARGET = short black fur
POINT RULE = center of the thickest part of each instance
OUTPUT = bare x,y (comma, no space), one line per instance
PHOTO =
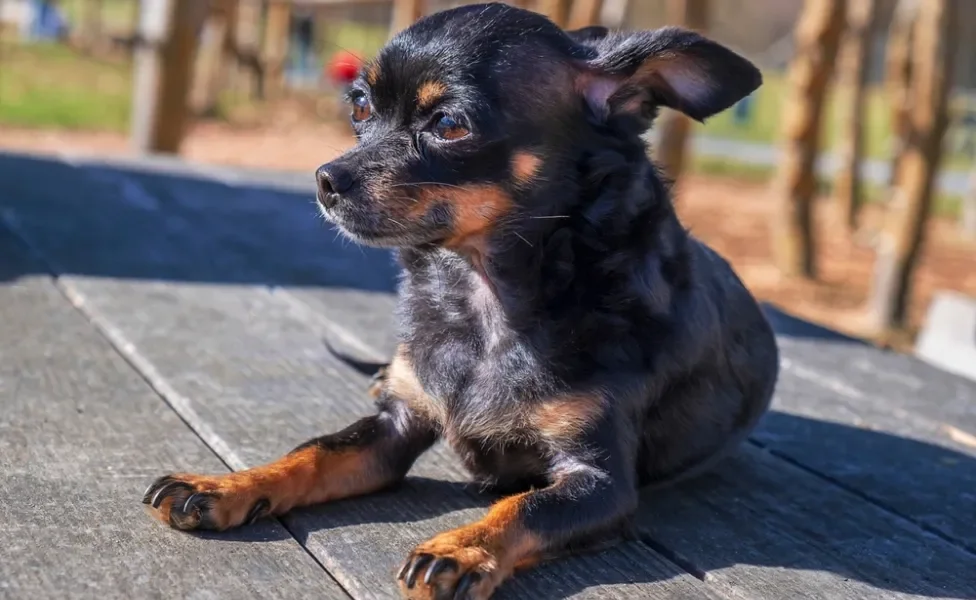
558,326
585,283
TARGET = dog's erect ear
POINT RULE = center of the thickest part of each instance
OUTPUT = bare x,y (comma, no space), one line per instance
673,67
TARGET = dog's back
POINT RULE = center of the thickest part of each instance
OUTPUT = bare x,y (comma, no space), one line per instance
711,407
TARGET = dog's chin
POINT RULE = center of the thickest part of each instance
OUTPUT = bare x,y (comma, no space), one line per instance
366,232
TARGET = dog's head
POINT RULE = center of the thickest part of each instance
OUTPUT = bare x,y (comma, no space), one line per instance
476,116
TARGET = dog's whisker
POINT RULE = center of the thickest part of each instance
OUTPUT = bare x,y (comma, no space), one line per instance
433,183
519,236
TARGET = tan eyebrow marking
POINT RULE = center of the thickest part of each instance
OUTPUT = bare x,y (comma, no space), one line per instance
429,93
525,166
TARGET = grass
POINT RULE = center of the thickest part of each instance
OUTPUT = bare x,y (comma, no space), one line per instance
946,205
765,124
116,15
52,86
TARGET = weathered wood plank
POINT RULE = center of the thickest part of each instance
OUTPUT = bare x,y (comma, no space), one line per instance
909,465
258,239
907,384
888,426
769,530
253,377
80,434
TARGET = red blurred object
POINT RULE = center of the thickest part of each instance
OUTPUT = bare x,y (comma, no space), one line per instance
343,67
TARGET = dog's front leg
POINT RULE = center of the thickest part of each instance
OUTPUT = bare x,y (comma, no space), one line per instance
368,455
472,561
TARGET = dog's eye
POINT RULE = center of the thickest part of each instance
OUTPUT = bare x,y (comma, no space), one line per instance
448,129
361,109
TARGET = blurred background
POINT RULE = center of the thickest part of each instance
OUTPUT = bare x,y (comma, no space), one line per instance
843,190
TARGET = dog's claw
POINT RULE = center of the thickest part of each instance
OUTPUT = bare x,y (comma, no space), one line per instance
191,502
464,584
438,566
147,496
403,570
161,492
418,563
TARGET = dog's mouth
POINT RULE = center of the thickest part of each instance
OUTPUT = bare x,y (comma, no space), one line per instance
367,223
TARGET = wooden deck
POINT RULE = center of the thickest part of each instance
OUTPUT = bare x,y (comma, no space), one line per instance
160,316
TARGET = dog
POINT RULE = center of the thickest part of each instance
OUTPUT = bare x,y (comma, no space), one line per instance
558,327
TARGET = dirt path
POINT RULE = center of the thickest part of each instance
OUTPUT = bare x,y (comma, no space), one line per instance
730,215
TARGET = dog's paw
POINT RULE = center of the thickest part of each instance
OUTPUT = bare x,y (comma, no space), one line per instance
446,567
206,502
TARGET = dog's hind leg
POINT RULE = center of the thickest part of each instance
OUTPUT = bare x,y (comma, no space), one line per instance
368,455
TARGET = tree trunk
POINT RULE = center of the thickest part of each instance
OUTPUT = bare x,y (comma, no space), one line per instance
817,35
214,57
163,71
969,206
90,34
898,79
275,48
855,63
249,70
672,126
933,55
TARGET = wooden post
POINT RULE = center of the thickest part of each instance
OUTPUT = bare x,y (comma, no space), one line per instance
276,31
898,79
852,77
214,56
556,10
405,14
817,37
584,13
163,70
248,69
90,33
969,206
672,126
901,238
614,13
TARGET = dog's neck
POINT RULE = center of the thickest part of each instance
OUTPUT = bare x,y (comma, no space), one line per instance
614,214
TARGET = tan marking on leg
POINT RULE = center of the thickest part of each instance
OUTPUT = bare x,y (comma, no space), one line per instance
567,417
402,383
306,476
494,547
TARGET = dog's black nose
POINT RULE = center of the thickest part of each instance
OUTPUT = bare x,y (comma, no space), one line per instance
333,181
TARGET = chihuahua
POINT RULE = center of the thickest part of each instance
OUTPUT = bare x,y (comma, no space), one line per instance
558,327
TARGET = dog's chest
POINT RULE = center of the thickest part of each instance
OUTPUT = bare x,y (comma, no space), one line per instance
472,366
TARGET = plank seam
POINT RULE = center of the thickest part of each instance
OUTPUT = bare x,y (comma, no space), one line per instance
865,497
178,403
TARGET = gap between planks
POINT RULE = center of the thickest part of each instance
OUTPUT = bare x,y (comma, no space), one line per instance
130,354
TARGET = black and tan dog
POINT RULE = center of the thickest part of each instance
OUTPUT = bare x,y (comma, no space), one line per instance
559,328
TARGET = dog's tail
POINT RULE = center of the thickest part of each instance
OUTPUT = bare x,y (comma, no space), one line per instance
367,368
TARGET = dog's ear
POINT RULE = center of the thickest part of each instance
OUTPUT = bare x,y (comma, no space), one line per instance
637,72
589,34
